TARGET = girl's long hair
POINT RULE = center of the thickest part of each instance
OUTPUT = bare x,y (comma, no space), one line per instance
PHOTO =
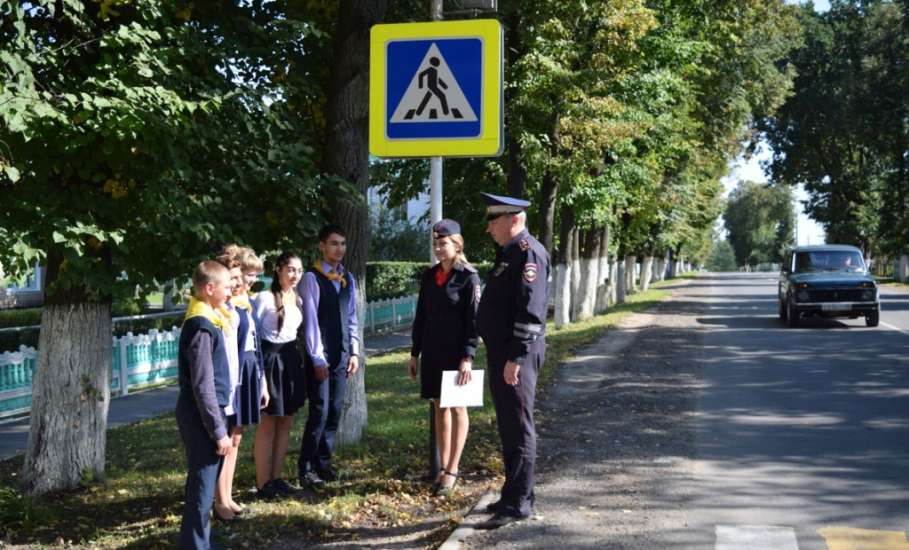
460,258
280,262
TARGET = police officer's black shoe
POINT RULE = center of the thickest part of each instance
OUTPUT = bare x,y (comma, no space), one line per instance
494,507
501,519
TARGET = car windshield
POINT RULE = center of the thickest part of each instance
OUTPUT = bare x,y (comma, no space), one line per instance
829,260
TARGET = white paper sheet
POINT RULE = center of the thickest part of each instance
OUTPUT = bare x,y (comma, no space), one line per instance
468,395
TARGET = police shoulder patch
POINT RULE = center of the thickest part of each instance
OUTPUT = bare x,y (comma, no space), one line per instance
477,293
530,272
524,245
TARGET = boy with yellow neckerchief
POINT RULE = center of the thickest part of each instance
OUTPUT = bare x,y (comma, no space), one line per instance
331,345
204,381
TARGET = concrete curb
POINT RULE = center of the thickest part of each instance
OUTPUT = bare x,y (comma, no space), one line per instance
459,535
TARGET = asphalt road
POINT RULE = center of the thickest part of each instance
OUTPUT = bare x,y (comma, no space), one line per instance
802,434
708,424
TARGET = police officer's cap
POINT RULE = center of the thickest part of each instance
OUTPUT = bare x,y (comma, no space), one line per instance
445,228
497,204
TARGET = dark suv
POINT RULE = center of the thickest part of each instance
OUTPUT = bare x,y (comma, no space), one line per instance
827,281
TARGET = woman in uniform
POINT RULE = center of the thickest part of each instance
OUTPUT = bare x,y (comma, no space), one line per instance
445,335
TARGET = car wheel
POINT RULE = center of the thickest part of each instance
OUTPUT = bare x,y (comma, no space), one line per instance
782,310
872,319
792,313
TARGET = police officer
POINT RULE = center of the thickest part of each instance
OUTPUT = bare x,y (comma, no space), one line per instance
445,334
511,320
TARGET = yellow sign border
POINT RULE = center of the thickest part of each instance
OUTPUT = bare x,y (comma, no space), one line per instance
490,142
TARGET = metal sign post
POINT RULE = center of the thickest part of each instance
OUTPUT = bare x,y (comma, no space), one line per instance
435,201
435,90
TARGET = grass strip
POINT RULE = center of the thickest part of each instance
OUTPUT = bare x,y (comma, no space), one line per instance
138,505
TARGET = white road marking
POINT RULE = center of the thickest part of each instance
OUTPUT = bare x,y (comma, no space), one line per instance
755,537
888,325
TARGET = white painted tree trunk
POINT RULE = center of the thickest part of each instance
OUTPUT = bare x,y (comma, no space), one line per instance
621,283
70,396
590,268
613,281
575,288
603,282
904,269
630,274
646,272
170,291
562,282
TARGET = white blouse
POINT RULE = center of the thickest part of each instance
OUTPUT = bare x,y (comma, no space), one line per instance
268,319
233,359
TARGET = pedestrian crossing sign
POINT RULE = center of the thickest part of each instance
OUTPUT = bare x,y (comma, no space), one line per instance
436,89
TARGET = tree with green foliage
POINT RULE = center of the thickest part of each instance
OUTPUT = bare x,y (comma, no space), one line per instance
843,132
135,139
396,238
721,257
760,221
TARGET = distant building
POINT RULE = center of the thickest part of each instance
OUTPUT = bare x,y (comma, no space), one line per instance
416,208
29,294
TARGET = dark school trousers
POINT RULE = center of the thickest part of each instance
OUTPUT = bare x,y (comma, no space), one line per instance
325,401
201,477
514,415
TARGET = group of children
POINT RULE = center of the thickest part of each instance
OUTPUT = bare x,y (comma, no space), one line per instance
240,365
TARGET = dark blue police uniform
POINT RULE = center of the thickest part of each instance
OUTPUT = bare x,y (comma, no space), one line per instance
444,329
511,320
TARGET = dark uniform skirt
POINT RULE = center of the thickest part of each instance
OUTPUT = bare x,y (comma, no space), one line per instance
284,378
430,380
250,391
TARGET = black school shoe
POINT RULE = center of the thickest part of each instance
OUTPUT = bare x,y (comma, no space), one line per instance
267,491
327,473
501,519
283,488
312,480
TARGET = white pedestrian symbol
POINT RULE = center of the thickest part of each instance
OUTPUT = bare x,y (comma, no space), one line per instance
433,94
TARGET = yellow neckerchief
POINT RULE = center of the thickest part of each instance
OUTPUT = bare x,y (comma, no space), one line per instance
288,298
198,308
241,301
331,275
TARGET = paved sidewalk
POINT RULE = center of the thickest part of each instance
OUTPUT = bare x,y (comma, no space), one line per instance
614,436
152,403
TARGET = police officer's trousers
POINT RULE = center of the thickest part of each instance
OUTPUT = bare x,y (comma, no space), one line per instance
514,413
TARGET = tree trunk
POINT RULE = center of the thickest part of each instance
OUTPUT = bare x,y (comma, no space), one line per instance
70,391
603,275
346,155
563,269
590,273
575,274
549,190
621,281
613,281
516,175
646,272
170,292
631,263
